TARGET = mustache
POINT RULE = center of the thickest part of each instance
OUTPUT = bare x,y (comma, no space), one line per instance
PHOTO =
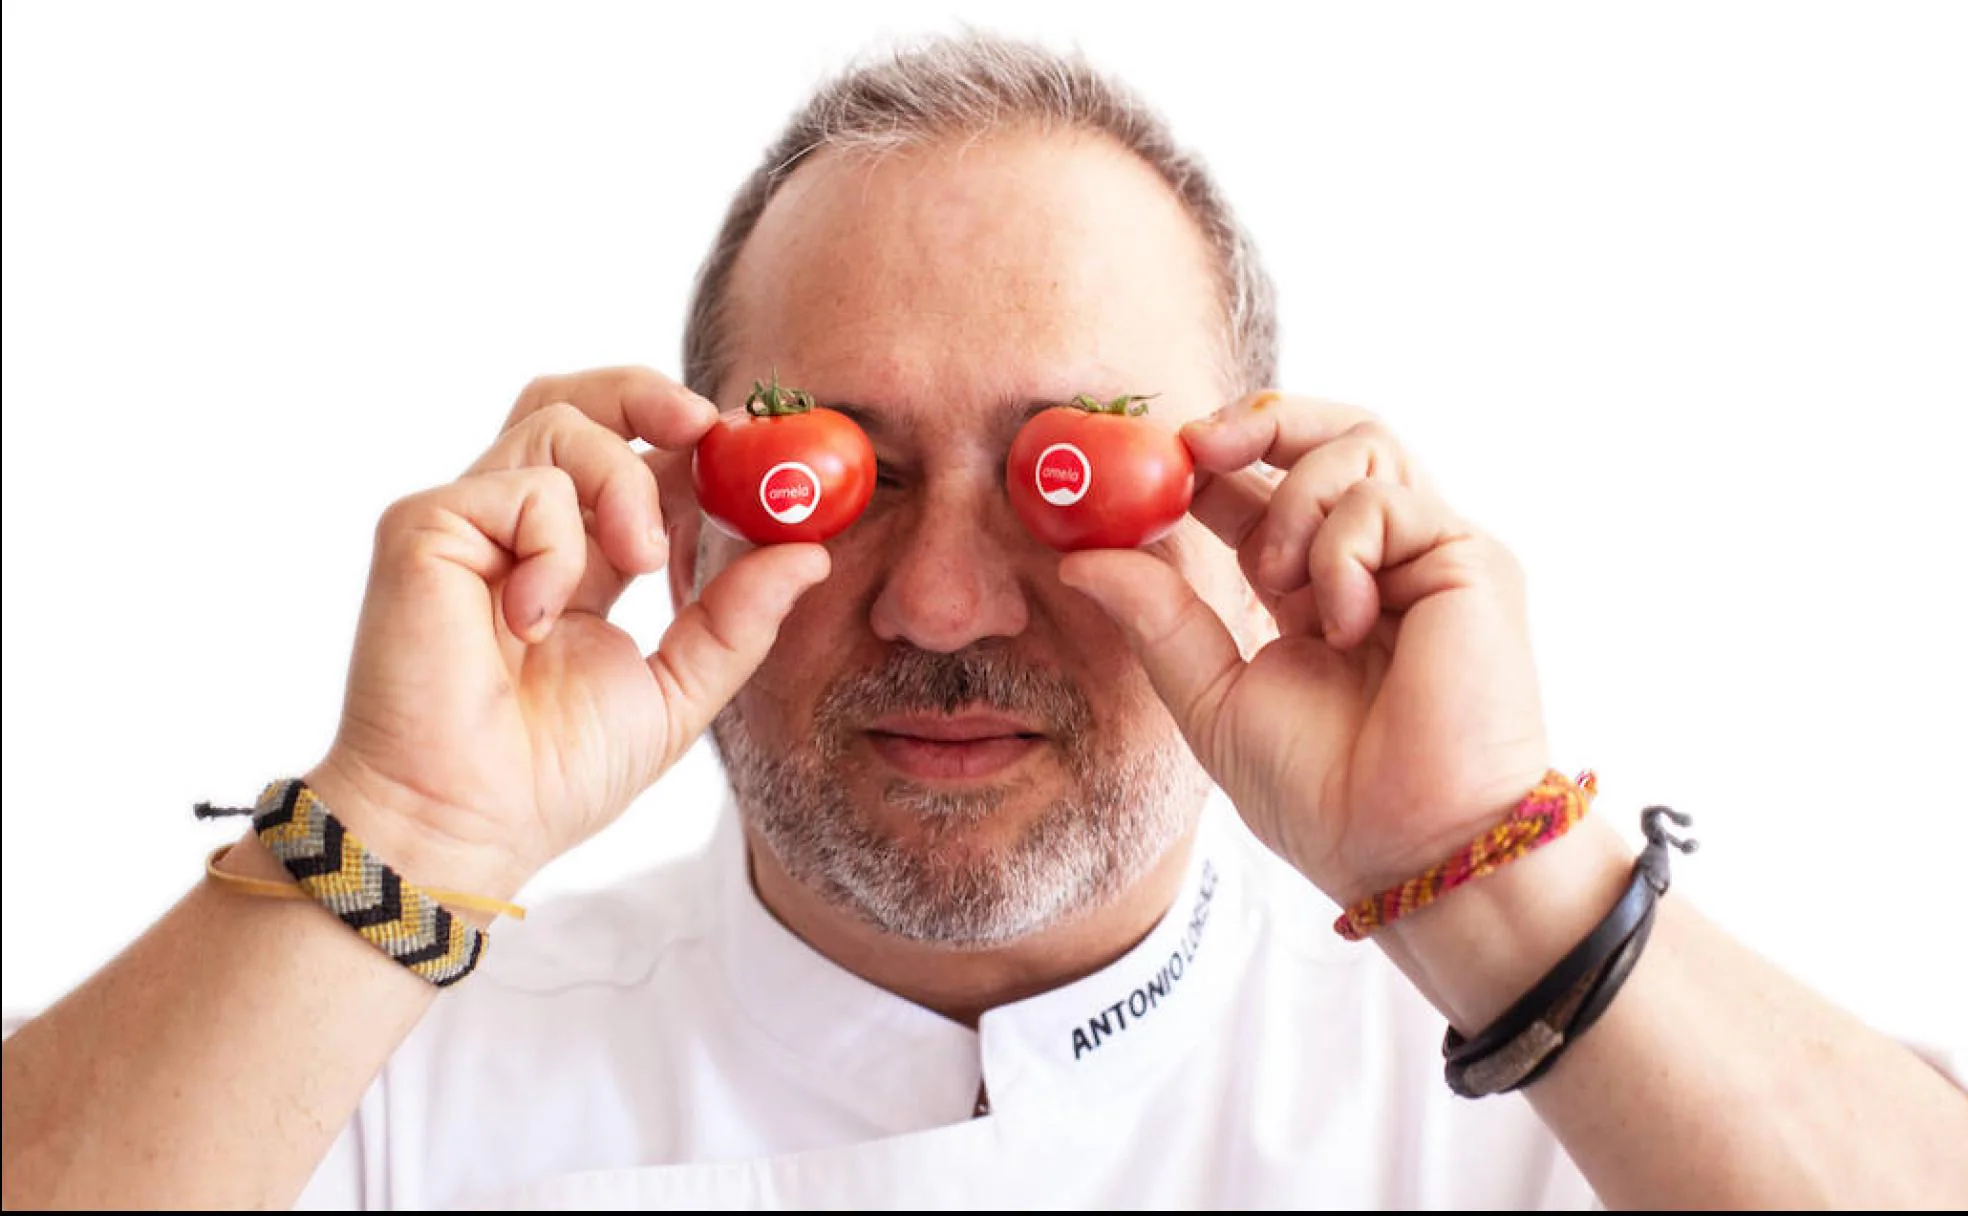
912,680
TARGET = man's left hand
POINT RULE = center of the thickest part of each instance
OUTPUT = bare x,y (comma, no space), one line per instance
1396,713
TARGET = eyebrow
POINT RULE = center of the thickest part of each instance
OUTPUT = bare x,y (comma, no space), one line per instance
885,426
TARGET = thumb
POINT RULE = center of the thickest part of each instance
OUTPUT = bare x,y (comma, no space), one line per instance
1188,652
718,640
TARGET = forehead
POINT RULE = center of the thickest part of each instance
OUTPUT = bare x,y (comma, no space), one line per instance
1011,269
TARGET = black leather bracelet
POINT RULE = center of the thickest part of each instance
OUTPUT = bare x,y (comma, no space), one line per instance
1601,992
1523,1043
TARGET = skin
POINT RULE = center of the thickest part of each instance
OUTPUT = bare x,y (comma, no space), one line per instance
1345,657
861,283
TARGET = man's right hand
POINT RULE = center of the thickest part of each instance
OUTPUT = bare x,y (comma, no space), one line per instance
494,718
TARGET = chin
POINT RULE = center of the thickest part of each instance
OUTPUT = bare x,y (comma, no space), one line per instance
978,866
959,848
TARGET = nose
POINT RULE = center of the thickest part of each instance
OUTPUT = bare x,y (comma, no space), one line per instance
953,574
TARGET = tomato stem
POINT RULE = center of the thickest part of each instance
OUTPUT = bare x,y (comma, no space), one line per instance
1129,405
774,400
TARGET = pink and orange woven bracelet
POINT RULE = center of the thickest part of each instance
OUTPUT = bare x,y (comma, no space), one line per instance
1545,814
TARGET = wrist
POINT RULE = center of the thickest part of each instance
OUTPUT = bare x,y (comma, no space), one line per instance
392,822
1481,946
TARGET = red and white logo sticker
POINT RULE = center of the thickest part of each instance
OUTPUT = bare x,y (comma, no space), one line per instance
789,492
1063,474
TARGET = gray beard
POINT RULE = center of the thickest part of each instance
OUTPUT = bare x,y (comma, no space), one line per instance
1123,811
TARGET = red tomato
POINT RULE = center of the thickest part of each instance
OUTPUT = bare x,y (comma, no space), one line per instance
783,469
1098,475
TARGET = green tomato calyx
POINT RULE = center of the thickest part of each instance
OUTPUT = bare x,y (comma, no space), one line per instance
774,400
1127,405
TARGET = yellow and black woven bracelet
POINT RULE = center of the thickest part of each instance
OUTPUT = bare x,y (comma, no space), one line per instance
330,865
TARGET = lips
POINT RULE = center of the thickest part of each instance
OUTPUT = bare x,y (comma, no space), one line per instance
953,747
954,728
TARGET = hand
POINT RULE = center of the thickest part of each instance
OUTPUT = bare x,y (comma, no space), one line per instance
1396,714
494,718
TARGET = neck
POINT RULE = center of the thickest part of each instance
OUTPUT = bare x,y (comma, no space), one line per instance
960,983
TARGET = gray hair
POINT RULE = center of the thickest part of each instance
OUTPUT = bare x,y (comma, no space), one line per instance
965,86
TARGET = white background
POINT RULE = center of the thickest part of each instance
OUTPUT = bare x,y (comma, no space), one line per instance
1674,298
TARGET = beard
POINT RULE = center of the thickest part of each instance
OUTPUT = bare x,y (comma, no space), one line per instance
1128,801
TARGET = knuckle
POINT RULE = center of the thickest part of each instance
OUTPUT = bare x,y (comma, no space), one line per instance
1335,469
553,484
550,423
411,528
1332,467
1382,453
539,389
560,414
1379,443
1365,495
403,516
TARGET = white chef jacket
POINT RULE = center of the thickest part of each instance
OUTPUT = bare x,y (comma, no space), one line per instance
667,1043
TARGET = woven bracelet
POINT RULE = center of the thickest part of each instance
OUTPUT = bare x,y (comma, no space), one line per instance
331,866
1542,816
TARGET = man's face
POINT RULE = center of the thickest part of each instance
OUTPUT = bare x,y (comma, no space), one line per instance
947,742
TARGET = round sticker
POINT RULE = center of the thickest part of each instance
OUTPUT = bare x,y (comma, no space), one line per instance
1063,473
789,492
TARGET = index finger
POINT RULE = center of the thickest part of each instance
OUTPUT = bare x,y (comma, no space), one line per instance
634,402
1268,426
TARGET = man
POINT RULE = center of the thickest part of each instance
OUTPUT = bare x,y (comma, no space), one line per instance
989,925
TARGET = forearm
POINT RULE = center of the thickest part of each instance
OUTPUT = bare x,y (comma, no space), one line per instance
212,1064
1713,1079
